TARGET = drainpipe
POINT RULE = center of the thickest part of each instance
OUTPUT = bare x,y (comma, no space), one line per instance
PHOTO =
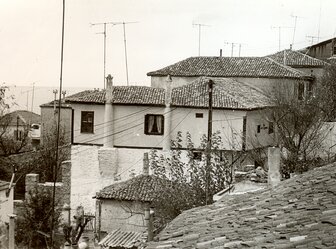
149,223
108,118
167,115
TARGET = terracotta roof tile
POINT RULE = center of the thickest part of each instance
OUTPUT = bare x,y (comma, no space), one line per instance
121,239
296,59
140,188
122,95
299,213
255,67
227,93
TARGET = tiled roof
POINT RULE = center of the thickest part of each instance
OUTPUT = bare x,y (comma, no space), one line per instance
227,93
140,188
255,67
299,213
121,239
296,59
122,95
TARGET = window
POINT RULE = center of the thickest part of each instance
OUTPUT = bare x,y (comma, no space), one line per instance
199,115
18,135
334,50
154,124
300,91
197,155
258,128
270,127
87,122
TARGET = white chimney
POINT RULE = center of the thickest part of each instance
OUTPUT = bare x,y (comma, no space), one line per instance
108,119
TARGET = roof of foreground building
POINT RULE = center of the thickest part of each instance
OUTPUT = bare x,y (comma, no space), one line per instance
299,213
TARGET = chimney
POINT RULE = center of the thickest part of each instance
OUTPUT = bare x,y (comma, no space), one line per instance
274,176
108,118
220,53
145,170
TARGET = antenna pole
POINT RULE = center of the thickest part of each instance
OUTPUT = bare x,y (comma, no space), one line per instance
125,52
199,35
104,55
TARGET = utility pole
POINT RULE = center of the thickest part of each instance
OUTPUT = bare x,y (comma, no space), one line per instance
209,143
279,30
55,166
200,25
32,106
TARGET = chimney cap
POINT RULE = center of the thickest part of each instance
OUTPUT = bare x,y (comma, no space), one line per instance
109,77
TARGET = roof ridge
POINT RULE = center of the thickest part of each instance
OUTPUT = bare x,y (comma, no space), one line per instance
301,74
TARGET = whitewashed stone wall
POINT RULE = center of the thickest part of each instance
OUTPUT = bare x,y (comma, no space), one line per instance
95,167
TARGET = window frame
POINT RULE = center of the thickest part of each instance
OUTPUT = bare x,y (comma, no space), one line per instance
86,122
146,124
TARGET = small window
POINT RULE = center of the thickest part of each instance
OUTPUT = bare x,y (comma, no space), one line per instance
300,91
258,128
87,122
270,127
197,155
334,50
199,115
154,124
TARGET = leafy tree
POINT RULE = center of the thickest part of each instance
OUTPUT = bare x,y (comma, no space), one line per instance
36,218
186,185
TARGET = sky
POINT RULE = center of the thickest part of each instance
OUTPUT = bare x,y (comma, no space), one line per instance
161,34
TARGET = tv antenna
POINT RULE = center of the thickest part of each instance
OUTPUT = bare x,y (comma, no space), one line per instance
200,25
104,33
295,21
279,30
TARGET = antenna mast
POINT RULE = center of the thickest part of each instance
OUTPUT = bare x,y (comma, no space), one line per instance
279,28
104,33
200,25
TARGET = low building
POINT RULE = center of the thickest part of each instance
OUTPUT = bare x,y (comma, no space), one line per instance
324,50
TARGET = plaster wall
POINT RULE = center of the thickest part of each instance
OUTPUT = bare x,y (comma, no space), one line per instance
6,203
126,215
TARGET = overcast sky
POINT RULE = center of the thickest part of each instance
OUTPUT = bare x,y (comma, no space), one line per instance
30,33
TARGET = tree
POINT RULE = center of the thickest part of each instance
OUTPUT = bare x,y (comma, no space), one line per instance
327,92
300,126
36,219
185,173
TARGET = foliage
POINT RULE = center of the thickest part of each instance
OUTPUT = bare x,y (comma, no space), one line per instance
188,177
327,92
299,126
36,216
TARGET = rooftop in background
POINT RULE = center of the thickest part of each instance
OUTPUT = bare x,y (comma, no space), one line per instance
228,94
25,118
299,213
254,67
296,59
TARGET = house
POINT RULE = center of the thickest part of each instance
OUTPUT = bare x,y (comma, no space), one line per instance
21,125
324,50
260,72
123,205
301,61
17,123
111,132
298,213
6,201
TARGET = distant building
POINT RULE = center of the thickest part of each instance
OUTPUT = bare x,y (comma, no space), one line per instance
21,125
325,50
